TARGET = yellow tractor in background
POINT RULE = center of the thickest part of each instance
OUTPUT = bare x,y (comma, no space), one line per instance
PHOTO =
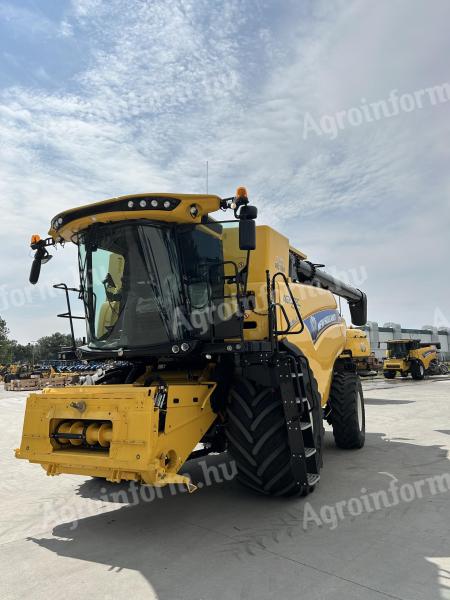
412,356
221,337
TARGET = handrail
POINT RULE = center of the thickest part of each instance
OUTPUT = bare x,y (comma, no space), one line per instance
68,314
294,304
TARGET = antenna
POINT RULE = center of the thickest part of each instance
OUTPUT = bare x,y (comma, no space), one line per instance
207,176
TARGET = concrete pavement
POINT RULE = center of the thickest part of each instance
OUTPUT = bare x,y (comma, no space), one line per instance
72,538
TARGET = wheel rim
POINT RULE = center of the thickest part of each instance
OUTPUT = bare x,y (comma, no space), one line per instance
360,411
421,369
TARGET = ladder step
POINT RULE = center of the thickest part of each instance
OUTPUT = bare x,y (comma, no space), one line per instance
313,478
309,452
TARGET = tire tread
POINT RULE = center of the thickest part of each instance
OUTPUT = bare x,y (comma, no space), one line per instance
258,440
344,415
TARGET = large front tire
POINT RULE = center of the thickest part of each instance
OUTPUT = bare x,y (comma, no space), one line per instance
258,440
347,415
417,370
390,374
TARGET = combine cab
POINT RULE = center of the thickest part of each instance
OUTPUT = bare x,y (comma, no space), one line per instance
225,336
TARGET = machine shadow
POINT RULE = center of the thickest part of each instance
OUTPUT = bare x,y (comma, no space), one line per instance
382,402
174,537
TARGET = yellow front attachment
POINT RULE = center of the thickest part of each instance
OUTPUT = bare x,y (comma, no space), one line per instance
396,364
117,431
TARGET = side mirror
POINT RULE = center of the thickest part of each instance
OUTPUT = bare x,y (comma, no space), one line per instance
35,271
247,227
41,257
247,234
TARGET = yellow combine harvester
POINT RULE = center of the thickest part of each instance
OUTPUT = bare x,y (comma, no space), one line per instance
358,348
412,356
226,337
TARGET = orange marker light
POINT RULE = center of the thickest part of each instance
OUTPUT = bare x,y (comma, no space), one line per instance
35,238
241,192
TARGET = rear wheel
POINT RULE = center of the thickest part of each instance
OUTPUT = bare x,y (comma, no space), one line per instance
258,440
444,369
389,374
347,415
404,373
417,370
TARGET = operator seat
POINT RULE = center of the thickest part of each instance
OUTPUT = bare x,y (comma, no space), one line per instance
109,310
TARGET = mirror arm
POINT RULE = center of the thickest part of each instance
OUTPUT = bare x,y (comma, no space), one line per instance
42,243
40,255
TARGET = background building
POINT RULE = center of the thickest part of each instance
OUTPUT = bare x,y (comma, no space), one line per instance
389,331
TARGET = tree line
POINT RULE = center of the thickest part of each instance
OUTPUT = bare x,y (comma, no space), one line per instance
45,348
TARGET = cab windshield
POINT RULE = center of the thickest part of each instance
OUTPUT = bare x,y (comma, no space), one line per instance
152,285
399,350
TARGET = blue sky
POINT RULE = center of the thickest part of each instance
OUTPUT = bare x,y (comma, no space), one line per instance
99,99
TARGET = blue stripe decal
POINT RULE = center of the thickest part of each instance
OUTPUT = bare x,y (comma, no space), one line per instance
319,321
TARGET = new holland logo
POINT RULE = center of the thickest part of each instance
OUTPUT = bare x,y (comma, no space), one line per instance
313,328
320,321
327,321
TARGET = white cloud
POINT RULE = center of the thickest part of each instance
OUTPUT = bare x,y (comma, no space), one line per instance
65,29
26,21
167,86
